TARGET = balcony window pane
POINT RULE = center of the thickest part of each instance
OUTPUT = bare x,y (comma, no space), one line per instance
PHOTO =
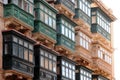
20,51
15,2
42,15
42,61
63,70
41,52
54,24
31,46
50,65
25,4
54,66
30,56
25,54
66,32
46,63
15,39
15,49
20,41
63,30
26,44
67,72
46,19
7,49
50,21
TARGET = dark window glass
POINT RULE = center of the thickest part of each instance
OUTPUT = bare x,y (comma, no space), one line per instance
25,53
30,56
15,49
20,51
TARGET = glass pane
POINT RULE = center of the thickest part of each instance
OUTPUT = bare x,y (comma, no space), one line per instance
54,24
31,46
20,42
46,18
50,22
42,16
46,63
31,8
15,49
41,52
25,4
54,66
63,70
67,72
63,30
50,65
54,58
26,44
15,39
46,54
25,54
20,51
30,56
42,61
20,3
15,2
7,49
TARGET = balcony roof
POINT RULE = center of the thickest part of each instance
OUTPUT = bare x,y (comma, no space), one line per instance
107,11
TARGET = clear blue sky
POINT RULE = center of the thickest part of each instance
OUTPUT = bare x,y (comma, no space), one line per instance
115,6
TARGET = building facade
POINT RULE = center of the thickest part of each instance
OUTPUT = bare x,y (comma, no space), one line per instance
56,40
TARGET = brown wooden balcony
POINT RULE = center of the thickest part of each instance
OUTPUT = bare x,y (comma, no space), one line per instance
102,67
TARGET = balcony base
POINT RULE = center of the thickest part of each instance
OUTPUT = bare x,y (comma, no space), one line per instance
14,75
98,39
45,40
64,51
82,61
82,24
14,23
63,10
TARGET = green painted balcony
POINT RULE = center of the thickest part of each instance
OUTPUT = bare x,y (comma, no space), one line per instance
44,29
65,32
15,12
68,3
83,11
45,20
101,23
79,14
98,29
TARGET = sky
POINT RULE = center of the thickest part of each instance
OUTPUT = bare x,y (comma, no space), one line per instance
115,6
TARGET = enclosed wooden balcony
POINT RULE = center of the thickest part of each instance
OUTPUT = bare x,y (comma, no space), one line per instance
65,35
18,56
102,67
45,63
17,18
81,18
65,68
45,23
83,13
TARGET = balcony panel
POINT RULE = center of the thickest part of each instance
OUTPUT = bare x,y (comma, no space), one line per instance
67,43
107,68
13,11
18,65
98,29
44,29
68,3
79,14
